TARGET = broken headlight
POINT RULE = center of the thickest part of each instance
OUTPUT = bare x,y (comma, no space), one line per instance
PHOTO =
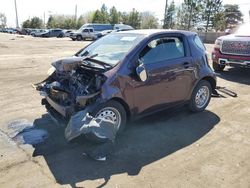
51,71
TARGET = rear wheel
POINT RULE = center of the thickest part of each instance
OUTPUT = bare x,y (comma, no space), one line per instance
201,96
217,67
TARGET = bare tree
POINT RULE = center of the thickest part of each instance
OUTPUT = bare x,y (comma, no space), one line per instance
3,20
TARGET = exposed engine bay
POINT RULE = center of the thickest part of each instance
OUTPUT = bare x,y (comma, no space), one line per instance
74,83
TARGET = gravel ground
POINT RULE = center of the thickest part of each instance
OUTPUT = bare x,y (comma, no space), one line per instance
174,148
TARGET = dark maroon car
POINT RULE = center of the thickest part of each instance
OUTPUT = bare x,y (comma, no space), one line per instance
232,50
130,74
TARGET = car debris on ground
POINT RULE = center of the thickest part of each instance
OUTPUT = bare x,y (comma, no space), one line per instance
102,132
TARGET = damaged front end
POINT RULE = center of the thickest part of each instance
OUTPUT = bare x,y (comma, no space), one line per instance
73,85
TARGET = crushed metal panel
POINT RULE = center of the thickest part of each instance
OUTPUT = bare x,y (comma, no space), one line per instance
83,123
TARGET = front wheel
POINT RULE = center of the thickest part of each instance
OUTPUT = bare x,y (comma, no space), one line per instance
201,96
60,36
113,111
79,38
217,67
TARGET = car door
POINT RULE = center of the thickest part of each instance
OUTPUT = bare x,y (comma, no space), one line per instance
85,33
56,33
170,74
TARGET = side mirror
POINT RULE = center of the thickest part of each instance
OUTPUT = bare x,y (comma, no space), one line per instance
141,72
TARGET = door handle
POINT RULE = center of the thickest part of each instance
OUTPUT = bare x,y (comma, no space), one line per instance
186,65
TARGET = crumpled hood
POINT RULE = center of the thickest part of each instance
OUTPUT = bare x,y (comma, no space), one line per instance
67,64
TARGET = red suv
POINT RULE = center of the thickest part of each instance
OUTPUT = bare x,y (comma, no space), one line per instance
232,50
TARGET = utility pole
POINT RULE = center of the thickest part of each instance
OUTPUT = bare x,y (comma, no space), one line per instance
17,25
76,13
44,20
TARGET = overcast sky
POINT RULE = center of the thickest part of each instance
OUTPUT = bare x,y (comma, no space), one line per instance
30,8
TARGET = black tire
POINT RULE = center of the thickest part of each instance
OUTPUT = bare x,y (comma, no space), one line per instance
193,106
217,67
79,38
60,36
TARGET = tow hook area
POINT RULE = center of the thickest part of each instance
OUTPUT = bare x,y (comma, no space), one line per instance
218,90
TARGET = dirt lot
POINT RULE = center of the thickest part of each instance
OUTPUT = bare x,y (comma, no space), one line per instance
174,148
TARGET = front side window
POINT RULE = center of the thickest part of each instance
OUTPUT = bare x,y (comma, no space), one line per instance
162,49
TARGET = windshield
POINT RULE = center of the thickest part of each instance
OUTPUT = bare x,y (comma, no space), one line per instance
112,48
81,28
244,30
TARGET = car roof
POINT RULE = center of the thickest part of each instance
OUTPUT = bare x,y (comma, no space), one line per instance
149,32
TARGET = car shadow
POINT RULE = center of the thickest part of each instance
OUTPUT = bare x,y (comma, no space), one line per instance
143,142
233,74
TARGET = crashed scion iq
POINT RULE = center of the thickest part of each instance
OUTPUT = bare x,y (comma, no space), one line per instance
130,74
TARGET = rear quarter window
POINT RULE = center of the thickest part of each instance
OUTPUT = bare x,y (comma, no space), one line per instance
199,43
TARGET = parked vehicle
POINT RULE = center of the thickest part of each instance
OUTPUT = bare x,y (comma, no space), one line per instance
11,31
87,33
232,50
95,31
130,74
52,33
66,33
122,27
36,32
97,27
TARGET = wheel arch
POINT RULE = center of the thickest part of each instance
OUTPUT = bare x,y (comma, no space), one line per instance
124,104
211,80
79,36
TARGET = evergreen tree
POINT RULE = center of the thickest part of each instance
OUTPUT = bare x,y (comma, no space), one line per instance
165,14
189,14
97,18
26,24
233,15
105,14
134,19
36,22
211,8
113,16
169,18
219,21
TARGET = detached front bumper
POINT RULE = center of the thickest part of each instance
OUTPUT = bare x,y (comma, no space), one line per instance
231,60
64,112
